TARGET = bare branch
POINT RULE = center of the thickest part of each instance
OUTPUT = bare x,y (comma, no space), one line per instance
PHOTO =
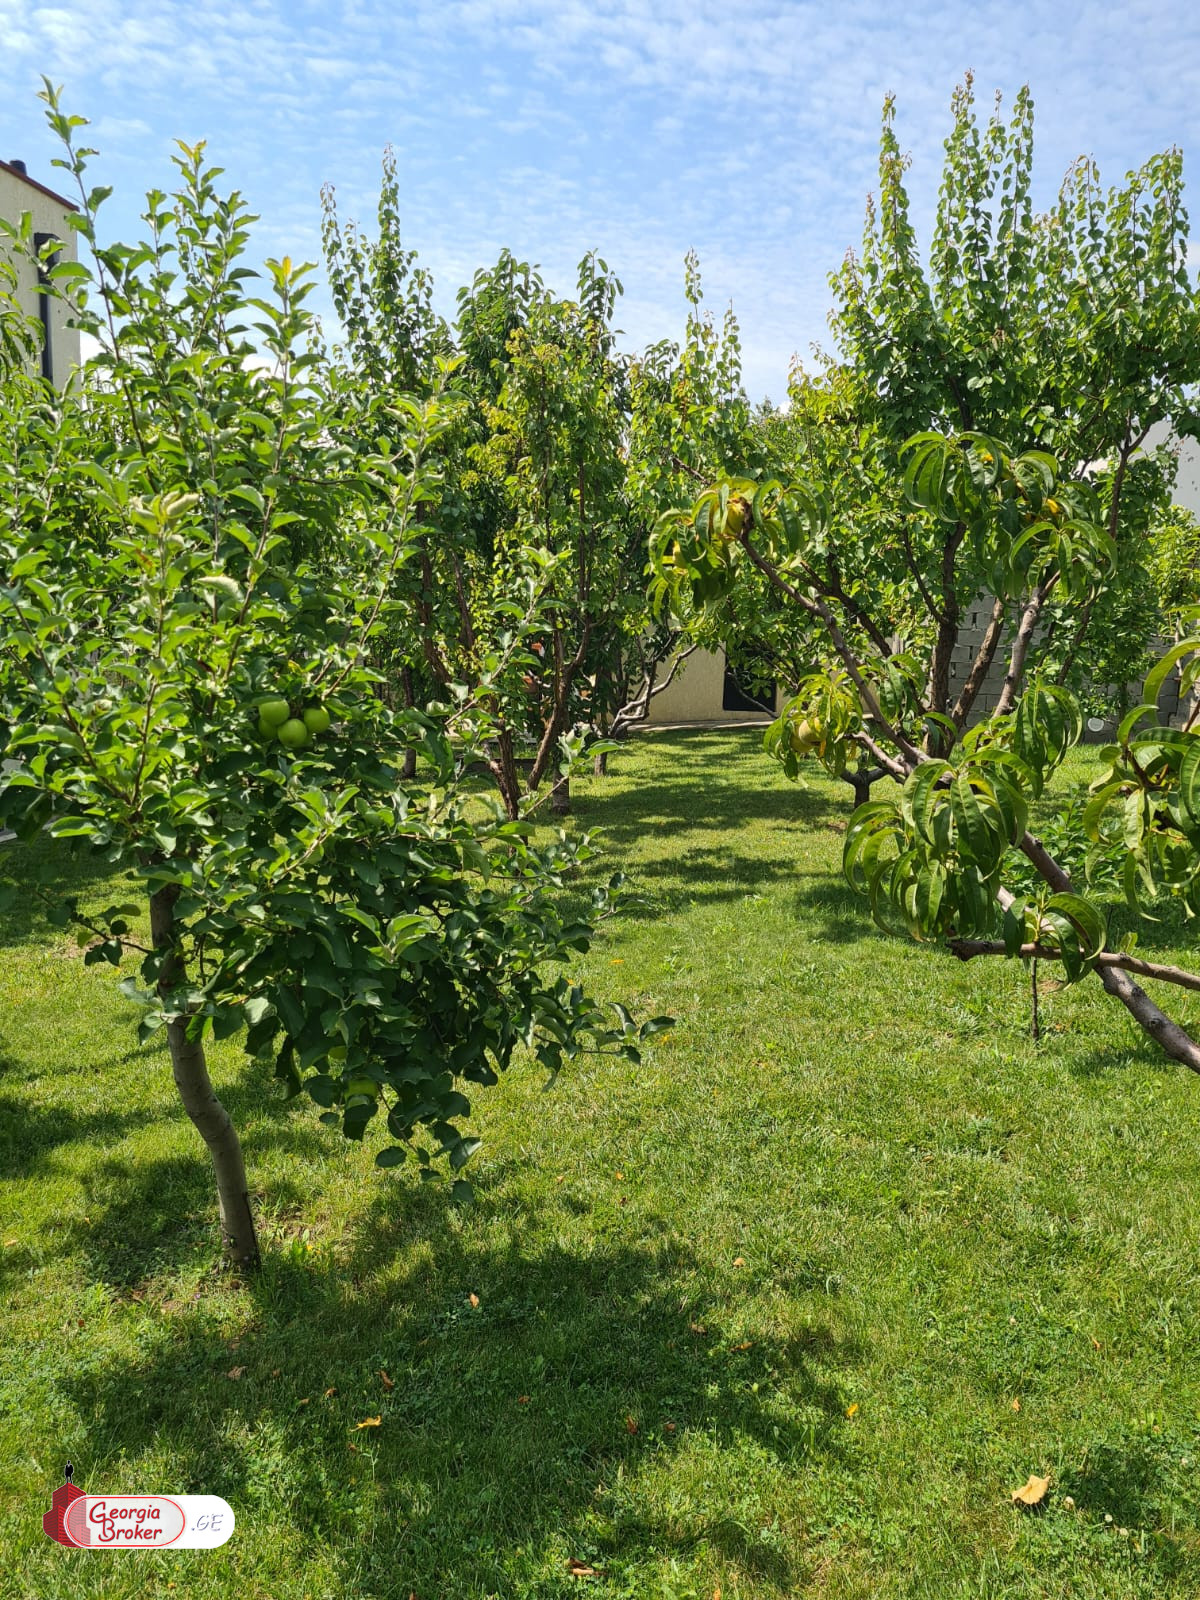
968,949
980,666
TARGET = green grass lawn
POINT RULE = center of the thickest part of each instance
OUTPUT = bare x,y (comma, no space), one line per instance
789,1309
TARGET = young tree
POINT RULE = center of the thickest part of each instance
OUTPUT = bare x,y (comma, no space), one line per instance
940,861
194,570
987,425
1071,332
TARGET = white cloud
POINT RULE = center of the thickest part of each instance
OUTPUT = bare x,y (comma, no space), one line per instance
643,127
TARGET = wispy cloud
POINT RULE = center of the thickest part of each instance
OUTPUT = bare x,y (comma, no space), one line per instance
642,127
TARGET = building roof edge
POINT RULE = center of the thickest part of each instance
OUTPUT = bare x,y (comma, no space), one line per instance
33,183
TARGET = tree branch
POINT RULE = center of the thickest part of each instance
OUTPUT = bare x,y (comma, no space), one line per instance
968,949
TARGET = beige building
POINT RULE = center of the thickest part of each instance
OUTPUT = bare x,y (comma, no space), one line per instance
49,214
704,690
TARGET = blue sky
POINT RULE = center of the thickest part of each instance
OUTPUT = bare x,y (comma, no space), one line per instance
642,127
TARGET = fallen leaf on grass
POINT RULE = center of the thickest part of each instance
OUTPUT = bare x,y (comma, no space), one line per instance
852,1408
746,1344
8,1243
630,1425
329,1393
305,1402
1016,1404
1031,1493
619,1176
669,1427
580,1569
388,1383
367,1422
697,1327
235,1372
522,1399
474,1299
739,1261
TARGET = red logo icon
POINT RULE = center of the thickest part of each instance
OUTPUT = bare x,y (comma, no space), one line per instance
60,1500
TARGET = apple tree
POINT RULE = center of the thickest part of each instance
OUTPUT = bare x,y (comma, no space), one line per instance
194,569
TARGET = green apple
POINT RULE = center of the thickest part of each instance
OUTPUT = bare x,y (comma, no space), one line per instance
293,734
274,712
266,730
316,719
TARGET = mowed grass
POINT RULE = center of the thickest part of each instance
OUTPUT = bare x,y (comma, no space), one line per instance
788,1309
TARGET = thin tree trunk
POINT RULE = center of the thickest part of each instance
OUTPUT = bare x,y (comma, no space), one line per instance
209,1116
504,769
938,695
408,770
984,657
560,797
1020,649
861,783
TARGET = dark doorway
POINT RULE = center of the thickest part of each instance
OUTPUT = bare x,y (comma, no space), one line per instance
735,698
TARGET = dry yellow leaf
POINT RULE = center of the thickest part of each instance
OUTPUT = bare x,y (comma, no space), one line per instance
580,1569
329,1393
388,1383
739,1261
1016,1404
630,1425
746,1344
235,1372
474,1299
368,1422
1031,1493
852,1408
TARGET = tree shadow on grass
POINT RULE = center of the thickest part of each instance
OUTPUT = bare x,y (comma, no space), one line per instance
511,1429
131,1218
47,870
828,909
1137,1479
698,801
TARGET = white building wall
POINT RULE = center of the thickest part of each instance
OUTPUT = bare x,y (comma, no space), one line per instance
19,194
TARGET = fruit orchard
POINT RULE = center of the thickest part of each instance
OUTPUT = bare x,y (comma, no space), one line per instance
272,606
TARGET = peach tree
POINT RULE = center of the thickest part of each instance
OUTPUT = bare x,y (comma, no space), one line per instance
192,573
951,858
